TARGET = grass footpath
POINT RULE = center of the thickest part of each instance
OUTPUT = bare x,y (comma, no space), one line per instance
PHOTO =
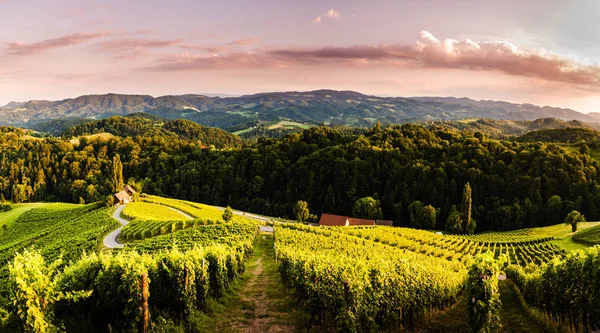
259,302
513,315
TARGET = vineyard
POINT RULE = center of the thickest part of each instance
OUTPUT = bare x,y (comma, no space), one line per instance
525,249
150,211
590,236
361,284
348,279
59,230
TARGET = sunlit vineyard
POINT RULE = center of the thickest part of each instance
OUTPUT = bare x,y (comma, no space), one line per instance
61,230
361,284
141,229
193,209
150,211
526,249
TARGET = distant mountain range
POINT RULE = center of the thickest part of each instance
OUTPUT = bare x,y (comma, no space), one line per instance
327,107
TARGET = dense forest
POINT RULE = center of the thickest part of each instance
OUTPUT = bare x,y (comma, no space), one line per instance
514,184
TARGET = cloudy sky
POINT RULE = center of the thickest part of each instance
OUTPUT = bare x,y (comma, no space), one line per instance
537,51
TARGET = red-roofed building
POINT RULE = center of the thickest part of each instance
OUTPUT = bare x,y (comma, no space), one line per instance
125,196
333,220
343,221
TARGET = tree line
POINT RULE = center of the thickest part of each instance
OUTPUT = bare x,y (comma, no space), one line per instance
417,176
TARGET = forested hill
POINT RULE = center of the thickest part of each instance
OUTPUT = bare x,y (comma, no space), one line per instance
514,184
145,125
566,135
328,107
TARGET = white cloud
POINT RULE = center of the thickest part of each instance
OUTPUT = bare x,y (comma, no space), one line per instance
330,14
333,13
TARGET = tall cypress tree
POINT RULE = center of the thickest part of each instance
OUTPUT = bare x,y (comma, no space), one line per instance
467,203
117,177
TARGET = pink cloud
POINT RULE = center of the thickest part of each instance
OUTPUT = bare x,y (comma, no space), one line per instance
21,48
245,41
133,47
331,14
427,52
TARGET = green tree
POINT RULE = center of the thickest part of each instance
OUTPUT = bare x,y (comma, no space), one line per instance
454,221
554,209
429,217
109,201
573,219
415,210
117,175
301,211
467,203
367,208
228,214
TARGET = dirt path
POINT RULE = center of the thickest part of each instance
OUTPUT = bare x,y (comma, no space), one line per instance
180,212
262,304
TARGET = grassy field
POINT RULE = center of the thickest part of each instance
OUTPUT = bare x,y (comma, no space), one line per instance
102,136
563,235
150,211
194,209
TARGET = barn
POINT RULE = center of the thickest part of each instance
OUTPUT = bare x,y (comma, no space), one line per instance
124,196
343,221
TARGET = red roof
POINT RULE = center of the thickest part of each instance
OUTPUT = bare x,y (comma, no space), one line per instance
355,221
122,195
128,189
333,220
384,222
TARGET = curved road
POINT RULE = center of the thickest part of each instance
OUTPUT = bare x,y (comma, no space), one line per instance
110,241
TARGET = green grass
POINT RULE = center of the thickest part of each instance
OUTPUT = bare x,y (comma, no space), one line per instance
194,209
563,235
150,211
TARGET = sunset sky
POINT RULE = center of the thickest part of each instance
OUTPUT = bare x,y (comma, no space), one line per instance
544,52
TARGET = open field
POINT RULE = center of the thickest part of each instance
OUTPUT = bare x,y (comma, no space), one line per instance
101,136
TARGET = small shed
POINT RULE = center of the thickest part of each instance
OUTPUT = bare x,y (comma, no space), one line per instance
385,222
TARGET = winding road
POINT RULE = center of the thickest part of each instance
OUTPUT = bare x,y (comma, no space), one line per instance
110,241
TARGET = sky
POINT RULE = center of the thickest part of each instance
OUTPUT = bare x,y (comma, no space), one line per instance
543,52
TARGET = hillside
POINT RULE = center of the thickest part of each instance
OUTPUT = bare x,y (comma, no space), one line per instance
313,107
498,128
150,126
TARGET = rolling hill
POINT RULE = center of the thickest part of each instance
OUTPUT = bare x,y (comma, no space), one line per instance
327,107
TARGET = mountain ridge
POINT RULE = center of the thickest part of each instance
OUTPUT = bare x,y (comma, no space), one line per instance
329,107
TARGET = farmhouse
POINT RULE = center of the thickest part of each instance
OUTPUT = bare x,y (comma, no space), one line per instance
125,196
343,221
